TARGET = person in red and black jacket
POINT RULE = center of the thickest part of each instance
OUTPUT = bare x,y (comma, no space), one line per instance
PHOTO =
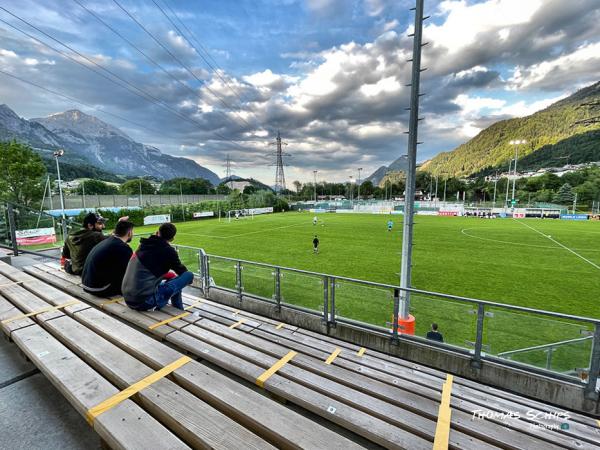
148,282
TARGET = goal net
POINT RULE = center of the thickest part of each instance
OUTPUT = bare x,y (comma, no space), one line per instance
239,214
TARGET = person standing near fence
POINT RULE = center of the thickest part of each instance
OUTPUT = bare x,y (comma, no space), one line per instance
155,273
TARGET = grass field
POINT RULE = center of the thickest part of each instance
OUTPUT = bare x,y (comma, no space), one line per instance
545,264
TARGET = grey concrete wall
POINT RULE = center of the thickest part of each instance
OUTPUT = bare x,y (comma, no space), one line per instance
561,393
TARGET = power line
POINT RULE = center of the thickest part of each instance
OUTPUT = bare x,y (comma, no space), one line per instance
223,102
144,95
73,99
143,53
214,70
134,46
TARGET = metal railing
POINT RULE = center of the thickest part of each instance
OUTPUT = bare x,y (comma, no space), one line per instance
483,330
549,351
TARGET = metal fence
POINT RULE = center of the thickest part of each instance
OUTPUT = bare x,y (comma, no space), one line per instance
558,345
485,330
124,201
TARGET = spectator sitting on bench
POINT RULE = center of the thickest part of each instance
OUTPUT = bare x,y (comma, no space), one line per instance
105,266
79,243
434,334
149,282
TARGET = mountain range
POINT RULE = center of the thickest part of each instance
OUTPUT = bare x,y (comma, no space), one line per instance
399,165
89,141
566,132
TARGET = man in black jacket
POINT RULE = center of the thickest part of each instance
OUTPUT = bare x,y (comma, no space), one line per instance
148,282
105,266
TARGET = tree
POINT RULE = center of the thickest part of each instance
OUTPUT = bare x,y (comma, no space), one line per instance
21,173
187,186
298,186
132,187
366,189
248,190
223,189
96,187
564,195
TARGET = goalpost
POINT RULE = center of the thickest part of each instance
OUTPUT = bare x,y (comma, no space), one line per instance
239,214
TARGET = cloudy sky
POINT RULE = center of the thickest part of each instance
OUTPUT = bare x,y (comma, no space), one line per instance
217,77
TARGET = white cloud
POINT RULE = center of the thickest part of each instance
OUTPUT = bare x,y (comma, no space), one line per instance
464,22
586,57
7,53
523,108
387,85
388,26
476,105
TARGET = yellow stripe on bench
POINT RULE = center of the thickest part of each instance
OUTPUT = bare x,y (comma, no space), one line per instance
166,321
237,324
40,311
334,355
193,305
113,401
260,381
442,430
108,302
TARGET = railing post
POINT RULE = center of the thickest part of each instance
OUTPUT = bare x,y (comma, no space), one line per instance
326,300
12,228
332,302
594,365
202,270
207,275
549,352
238,276
476,361
278,287
395,315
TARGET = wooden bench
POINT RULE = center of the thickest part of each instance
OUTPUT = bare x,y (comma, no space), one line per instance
383,389
189,403
467,395
374,391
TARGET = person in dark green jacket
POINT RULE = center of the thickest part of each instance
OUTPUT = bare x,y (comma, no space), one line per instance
81,242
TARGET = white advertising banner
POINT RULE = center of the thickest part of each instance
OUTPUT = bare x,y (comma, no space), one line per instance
200,214
256,211
157,219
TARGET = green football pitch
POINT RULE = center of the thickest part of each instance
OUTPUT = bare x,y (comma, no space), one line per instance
544,264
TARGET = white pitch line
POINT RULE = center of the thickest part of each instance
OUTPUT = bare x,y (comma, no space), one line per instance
242,234
563,246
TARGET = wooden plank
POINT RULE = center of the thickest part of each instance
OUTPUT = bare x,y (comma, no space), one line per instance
393,414
359,422
193,420
126,426
264,416
407,398
329,408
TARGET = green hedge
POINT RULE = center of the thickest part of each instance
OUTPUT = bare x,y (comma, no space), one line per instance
177,212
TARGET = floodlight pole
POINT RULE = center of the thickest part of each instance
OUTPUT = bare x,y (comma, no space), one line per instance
516,144
409,200
507,184
58,154
495,184
315,185
359,170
